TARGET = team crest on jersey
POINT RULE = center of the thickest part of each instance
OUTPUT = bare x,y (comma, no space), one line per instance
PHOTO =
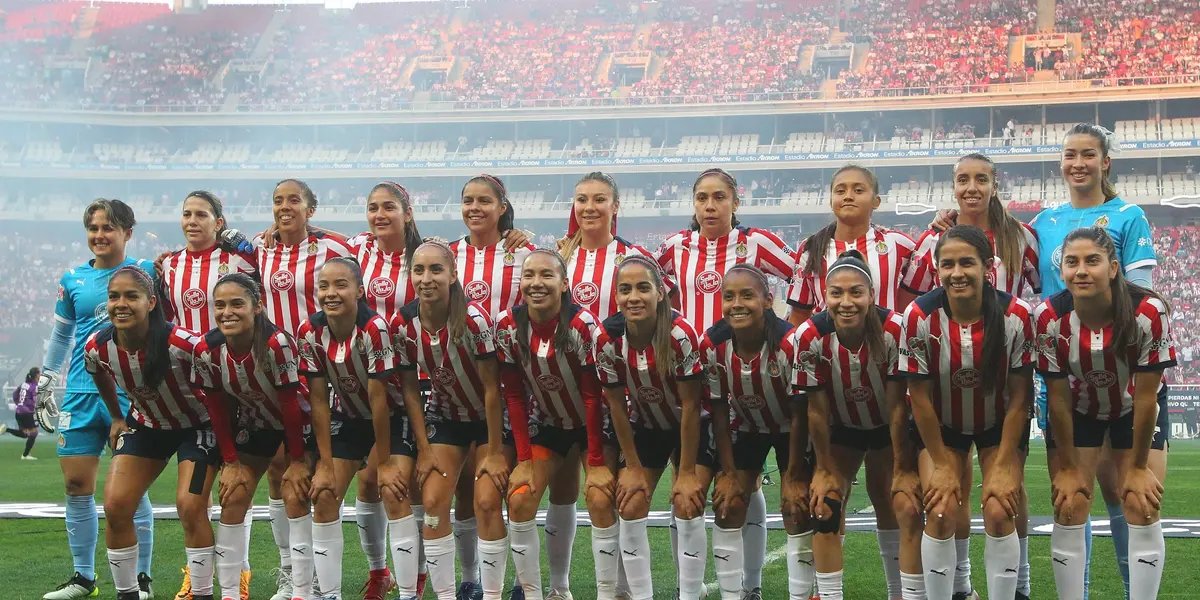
349,384
243,436
444,376
741,250
773,368
101,312
510,259
62,441
1100,379
62,293
360,345
430,430
861,393
223,270
312,248
752,401
550,383
708,282
881,247
194,298
966,378
254,397
650,395
382,287
618,259
585,293
1102,221
478,291
283,280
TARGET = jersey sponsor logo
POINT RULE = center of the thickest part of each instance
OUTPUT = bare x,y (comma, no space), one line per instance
478,290
101,312
1100,378
444,376
650,395
808,357
194,298
144,394
286,370
861,393
966,378
283,280
483,337
685,363
253,397
382,287
585,292
752,401
550,383
503,337
1159,345
348,384
708,282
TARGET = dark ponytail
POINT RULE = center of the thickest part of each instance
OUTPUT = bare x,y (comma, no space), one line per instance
774,326
818,243
566,311
994,308
456,319
873,325
158,334
262,327
733,189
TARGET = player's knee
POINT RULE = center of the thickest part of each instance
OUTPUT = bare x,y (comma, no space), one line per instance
522,505
635,508
994,515
685,510
488,501
599,500
192,508
326,507
907,512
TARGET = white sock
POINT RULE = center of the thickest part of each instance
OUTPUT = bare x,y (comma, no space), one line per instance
937,558
1001,559
200,570
692,558
674,529
1068,557
248,523
912,587
962,566
229,554
889,553
1147,553
606,550
419,517
802,570
301,531
279,530
406,551
635,555
327,547
466,545
439,556
560,541
123,564
527,559
829,586
372,532
754,541
1023,570
493,562
727,558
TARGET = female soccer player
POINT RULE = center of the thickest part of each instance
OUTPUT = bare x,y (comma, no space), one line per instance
491,255
846,361
650,354
151,359
25,399
248,360
348,346
452,340
84,423
754,410
949,335
696,260
545,349
1096,392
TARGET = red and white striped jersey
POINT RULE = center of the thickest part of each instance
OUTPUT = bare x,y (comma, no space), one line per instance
551,373
385,275
348,364
189,278
255,386
458,392
653,400
855,383
593,276
490,276
1009,281
890,255
172,404
698,265
1101,380
935,347
289,275
760,391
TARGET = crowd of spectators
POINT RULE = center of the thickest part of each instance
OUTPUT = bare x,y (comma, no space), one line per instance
1154,39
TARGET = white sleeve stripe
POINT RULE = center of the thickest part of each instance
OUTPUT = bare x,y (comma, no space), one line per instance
64,320
1149,262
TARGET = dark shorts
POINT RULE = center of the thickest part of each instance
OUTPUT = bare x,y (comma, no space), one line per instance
197,444
750,450
264,443
463,434
655,447
560,441
26,421
952,438
352,439
863,440
1120,431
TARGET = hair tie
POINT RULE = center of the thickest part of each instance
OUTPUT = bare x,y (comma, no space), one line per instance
848,265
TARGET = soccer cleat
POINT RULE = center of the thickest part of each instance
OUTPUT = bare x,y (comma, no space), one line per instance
469,591
76,587
557,595
128,595
283,584
422,579
623,595
185,588
145,592
971,595
203,597
377,587
245,586
3,428
754,594
28,457
1021,596
517,593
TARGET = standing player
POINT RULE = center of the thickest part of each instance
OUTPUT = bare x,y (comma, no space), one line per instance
545,349
151,359
348,346
755,410
84,422
697,260
649,354
25,399
248,360
949,335
846,361
452,340
1096,392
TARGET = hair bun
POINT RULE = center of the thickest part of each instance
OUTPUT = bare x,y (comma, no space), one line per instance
852,253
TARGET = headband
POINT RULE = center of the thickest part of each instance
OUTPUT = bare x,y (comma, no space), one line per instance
750,269
397,189
503,190
436,243
247,282
723,175
848,265
138,272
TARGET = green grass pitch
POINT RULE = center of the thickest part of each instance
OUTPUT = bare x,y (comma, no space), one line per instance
34,556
